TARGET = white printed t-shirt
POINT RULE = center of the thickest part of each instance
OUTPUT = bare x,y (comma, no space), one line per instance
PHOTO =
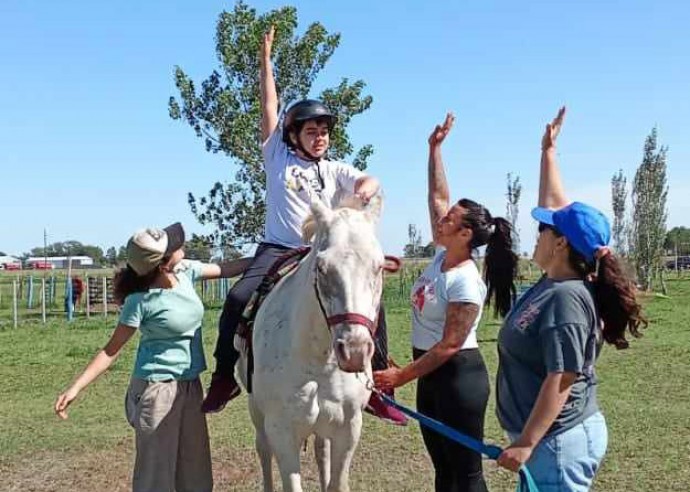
287,200
431,294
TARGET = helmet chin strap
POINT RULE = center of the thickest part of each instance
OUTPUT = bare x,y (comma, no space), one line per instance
311,158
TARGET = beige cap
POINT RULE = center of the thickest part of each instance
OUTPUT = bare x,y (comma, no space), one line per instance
147,247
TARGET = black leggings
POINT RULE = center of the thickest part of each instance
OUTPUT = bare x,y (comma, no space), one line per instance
456,394
238,297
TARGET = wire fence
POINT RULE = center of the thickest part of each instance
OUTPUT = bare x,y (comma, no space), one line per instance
30,297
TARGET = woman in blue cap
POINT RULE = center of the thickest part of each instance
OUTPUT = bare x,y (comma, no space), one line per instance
548,344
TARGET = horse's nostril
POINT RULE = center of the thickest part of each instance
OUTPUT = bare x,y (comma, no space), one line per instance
341,350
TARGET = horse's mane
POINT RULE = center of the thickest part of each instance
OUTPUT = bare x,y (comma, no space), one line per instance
344,201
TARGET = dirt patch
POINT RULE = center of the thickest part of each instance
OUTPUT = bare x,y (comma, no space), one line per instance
111,470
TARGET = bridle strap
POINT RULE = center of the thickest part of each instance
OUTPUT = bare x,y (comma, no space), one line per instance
352,318
336,319
393,265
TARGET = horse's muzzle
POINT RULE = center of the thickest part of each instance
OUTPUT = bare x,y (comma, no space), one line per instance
353,354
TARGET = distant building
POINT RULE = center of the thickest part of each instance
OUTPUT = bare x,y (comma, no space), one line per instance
39,262
10,263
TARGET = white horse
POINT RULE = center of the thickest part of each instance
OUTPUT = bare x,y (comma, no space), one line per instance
313,344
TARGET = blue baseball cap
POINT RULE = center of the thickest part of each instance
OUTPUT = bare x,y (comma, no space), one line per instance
586,228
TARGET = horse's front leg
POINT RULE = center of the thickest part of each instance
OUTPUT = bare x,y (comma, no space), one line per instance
286,448
263,448
343,446
322,451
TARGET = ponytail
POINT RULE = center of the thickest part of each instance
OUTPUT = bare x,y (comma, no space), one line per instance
500,261
614,296
500,267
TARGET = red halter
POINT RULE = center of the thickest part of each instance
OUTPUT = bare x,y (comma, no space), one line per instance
392,265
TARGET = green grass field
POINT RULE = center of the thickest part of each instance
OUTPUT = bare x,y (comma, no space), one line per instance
643,394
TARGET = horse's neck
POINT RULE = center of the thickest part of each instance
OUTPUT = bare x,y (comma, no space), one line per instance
310,334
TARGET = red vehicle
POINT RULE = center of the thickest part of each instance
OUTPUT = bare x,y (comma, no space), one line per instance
42,265
12,266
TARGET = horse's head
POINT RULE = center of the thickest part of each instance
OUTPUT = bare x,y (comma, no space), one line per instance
348,277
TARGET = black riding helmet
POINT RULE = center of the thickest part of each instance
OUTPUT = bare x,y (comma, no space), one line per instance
303,111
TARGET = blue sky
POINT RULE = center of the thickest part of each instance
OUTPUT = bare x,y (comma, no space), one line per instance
87,149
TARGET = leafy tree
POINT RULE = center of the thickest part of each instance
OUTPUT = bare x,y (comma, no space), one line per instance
225,112
619,195
111,256
649,211
513,193
198,248
122,254
94,252
70,248
414,246
678,241
225,253
429,250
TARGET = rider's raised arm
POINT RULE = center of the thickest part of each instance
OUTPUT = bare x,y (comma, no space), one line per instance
551,192
269,96
439,194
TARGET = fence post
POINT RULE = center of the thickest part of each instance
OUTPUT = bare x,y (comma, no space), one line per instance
68,299
105,297
88,298
52,290
14,302
30,293
43,300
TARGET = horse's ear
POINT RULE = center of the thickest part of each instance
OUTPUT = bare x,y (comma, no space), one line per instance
321,212
321,215
374,208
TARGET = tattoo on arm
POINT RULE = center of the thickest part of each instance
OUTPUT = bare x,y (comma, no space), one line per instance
438,193
460,316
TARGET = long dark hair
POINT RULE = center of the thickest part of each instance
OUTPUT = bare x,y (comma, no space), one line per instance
614,297
500,261
127,282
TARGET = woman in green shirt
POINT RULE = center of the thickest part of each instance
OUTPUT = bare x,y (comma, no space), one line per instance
163,402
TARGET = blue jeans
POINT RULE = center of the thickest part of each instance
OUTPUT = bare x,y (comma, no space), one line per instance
567,462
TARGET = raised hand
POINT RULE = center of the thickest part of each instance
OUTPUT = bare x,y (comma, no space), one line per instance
441,131
267,45
552,130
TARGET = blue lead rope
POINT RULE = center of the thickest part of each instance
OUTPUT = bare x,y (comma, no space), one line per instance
526,482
